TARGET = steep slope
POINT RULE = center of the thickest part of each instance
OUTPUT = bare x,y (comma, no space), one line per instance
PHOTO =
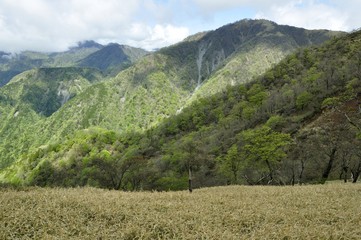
30,98
297,123
249,48
209,62
160,84
113,58
240,135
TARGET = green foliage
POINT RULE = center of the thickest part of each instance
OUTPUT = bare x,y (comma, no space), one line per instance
231,164
264,145
303,100
330,102
94,157
275,122
172,183
256,94
263,149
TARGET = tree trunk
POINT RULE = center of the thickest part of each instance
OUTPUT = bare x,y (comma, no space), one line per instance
248,180
235,177
300,176
356,173
293,177
355,177
270,172
190,188
345,170
329,166
119,182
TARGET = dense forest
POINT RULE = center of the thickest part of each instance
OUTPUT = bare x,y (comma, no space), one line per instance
297,123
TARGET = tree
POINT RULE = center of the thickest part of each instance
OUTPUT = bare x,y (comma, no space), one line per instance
355,160
125,163
325,140
191,151
263,149
303,100
186,155
231,163
345,159
345,126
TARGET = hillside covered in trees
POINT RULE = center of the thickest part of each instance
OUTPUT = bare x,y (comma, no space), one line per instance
48,105
298,122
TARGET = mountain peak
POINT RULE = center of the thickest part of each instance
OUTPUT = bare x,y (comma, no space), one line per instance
112,58
112,44
86,44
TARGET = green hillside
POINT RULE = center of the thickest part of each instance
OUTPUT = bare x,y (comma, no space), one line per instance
161,84
248,49
242,134
30,98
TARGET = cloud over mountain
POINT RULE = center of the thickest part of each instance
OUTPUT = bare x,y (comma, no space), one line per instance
55,25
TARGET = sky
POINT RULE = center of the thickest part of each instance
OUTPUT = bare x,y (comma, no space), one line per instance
56,25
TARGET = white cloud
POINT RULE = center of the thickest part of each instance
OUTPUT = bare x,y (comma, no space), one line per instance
351,8
312,14
212,6
155,37
308,14
55,25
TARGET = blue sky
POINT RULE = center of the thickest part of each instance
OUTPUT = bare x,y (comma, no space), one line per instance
55,25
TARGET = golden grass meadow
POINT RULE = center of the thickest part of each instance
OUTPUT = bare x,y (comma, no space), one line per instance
331,211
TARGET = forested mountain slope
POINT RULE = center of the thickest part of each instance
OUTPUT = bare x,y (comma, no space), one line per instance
249,49
298,122
160,84
32,97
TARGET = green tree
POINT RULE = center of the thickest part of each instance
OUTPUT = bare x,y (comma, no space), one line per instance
186,155
263,149
303,100
231,163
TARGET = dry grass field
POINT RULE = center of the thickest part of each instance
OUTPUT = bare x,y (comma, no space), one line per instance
331,211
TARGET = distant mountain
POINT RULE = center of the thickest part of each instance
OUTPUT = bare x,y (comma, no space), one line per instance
156,87
111,62
245,49
113,58
26,60
86,44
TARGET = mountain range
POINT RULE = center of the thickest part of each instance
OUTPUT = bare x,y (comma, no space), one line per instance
228,104
110,59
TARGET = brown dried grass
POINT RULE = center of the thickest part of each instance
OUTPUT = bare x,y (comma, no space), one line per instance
237,212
